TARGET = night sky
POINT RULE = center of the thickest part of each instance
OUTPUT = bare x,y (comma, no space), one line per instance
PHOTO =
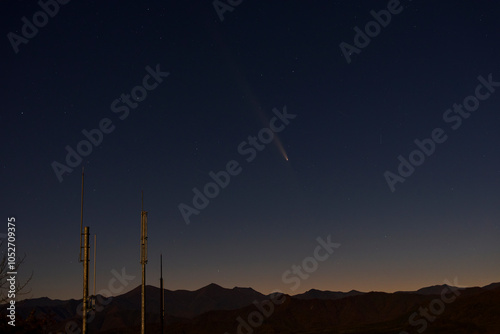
178,93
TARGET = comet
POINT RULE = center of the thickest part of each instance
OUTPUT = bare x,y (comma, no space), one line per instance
247,91
280,147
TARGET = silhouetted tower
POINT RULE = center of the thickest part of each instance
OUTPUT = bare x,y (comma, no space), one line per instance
85,260
162,297
144,260
93,297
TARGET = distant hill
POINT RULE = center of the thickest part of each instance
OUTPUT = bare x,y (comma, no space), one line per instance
333,295
187,304
477,311
492,286
430,290
123,309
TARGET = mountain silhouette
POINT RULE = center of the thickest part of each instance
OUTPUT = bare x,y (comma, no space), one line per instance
214,309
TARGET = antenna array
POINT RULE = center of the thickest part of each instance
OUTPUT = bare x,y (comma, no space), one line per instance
144,261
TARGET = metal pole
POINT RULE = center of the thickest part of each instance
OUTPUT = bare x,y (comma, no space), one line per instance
85,279
95,261
81,221
162,297
144,260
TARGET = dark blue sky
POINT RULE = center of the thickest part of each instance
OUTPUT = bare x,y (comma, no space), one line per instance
353,120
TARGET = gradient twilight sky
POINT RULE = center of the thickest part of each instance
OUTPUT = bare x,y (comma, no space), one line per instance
353,121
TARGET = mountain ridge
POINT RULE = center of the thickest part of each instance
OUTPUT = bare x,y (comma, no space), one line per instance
218,308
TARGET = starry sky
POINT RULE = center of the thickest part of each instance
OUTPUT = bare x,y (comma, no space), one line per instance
178,90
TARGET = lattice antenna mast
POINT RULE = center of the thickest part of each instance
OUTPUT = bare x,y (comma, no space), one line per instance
93,298
84,245
162,297
81,219
144,261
